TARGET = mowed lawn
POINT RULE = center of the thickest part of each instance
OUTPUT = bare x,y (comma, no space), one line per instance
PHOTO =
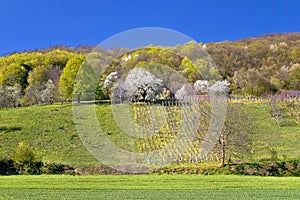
149,187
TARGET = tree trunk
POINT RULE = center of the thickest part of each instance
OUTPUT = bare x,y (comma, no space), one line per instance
78,97
223,150
144,96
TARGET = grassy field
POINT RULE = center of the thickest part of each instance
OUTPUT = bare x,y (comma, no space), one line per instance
285,140
148,187
51,131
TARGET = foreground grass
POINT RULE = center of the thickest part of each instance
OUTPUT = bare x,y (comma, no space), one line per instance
148,187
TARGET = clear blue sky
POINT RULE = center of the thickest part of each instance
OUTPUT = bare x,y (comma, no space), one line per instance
35,24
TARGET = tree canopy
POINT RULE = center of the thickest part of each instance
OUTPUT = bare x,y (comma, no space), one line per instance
253,67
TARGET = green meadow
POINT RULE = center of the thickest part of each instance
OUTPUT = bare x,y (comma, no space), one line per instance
148,187
50,130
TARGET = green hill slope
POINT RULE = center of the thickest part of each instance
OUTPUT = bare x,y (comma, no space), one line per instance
285,140
51,131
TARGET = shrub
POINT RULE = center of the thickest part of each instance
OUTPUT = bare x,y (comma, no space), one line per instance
8,167
54,168
25,159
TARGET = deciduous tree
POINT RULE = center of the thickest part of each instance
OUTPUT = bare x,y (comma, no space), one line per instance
67,78
201,86
141,84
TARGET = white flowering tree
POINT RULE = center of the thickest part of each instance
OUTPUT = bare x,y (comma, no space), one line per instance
48,94
220,88
201,86
13,95
184,92
110,80
141,84
2,97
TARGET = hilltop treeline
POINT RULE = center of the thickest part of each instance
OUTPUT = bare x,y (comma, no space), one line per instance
257,66
253,66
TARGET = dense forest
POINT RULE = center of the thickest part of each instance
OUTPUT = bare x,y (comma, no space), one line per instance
254,67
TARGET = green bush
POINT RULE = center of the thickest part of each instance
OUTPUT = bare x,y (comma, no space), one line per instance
26,160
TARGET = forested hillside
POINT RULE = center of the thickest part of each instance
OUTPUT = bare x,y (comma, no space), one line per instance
256,66
253,66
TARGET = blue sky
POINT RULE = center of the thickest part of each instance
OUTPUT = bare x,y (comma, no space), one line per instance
33,24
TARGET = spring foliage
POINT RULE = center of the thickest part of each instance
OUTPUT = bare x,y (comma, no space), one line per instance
253,67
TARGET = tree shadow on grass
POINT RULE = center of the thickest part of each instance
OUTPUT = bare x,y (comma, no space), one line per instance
9,129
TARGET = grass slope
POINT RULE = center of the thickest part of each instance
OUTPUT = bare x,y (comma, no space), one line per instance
148,187
285,140
51,130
